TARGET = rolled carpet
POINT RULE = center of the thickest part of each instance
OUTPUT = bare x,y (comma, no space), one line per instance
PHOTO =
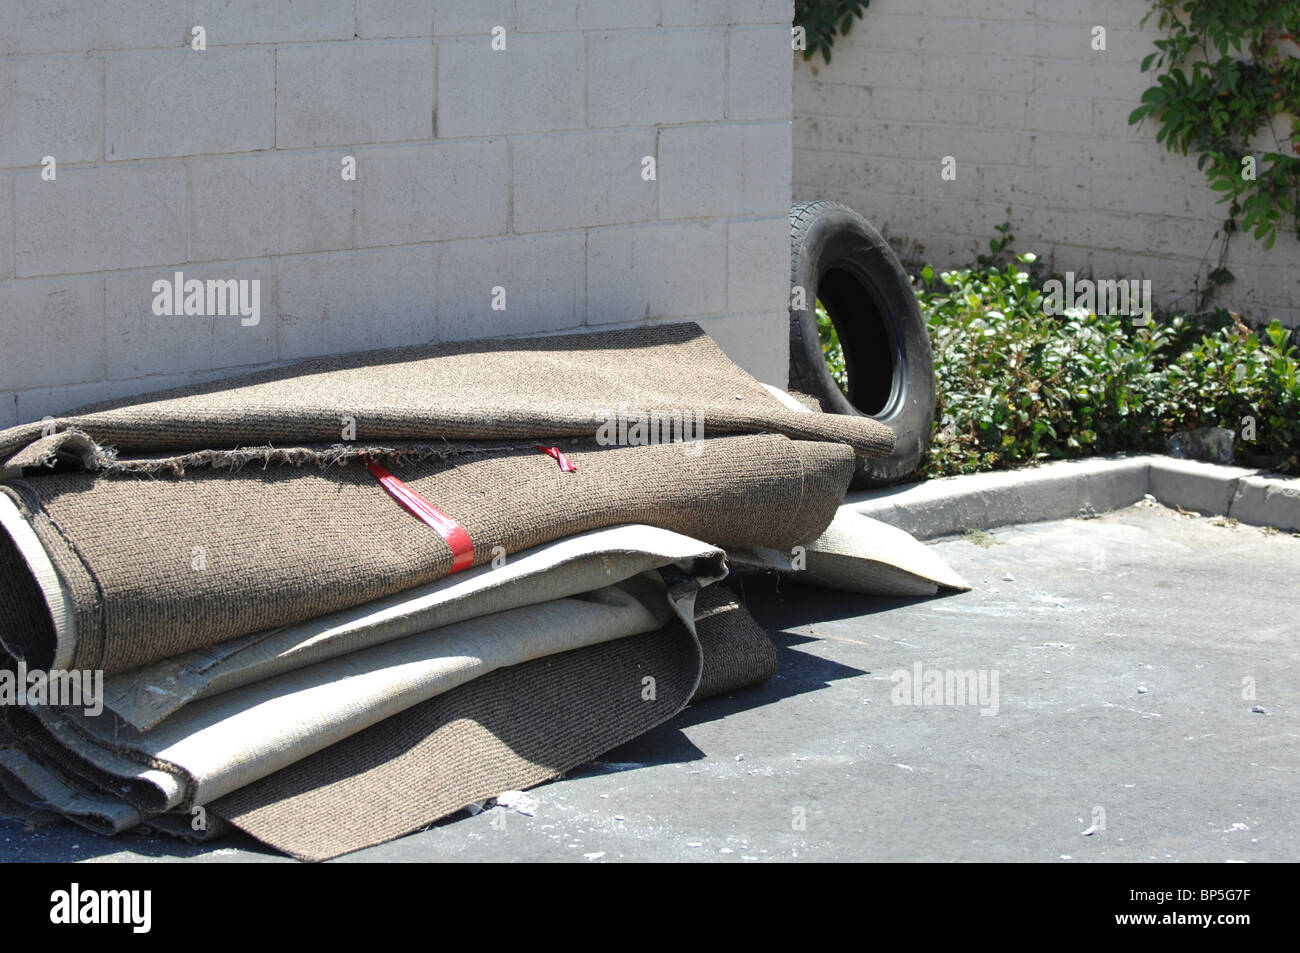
152,567
500,390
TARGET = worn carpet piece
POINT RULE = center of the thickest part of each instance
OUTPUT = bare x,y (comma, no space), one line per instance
510,730
578,564
155,567
860,554
516,389
217,745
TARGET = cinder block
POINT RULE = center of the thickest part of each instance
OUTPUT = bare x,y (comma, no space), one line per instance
7,26
355,301
758,73
726,12
549,16
76,26
471,17
950,106
178,103
760,343
228,22
1046,114
1063,79
543,278
267,204
140,343
813,98
1002,74
1007,111
50,105
36,404
643,77
649,271
6,226
900,69
724,169
1110,119
536,84
52,331
859,137
1000,186
379,19
397,18
427,193
758,265
1149,195
1119,12
97,218
575,180
341,93
978,147
557,15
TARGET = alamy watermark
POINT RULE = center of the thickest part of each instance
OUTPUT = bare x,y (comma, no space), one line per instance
622,429
924,686
1108,296
211,298
70,688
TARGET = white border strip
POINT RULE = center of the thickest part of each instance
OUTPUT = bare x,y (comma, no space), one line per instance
47,578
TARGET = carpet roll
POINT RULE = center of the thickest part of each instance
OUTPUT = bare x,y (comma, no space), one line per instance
153,567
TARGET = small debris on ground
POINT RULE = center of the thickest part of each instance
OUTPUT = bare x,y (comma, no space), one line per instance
519,802
980,538
1258,711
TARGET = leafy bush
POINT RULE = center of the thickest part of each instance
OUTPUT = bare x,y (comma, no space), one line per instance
1017,386
824,19
832,350
1223,74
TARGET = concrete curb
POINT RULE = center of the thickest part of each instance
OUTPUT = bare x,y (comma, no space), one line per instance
1070,488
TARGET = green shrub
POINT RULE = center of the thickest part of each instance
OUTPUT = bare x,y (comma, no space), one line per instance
832,350
1017,386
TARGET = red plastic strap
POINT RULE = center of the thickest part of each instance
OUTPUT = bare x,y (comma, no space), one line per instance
462,547
565,463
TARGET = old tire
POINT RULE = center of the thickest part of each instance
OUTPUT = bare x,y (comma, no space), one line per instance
838,258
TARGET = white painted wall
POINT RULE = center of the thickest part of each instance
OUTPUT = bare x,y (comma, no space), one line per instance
1037,122
475,169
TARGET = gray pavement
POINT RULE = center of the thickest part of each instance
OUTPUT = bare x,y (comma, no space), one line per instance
1124,649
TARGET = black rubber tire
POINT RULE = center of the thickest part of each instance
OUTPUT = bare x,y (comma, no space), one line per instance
837,257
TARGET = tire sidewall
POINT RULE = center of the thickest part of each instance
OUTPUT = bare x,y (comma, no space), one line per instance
840,238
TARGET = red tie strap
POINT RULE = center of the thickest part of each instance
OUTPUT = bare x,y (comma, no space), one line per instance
565,463
462,547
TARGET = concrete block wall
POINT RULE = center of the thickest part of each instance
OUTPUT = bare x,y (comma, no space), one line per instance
476,169
1038,122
